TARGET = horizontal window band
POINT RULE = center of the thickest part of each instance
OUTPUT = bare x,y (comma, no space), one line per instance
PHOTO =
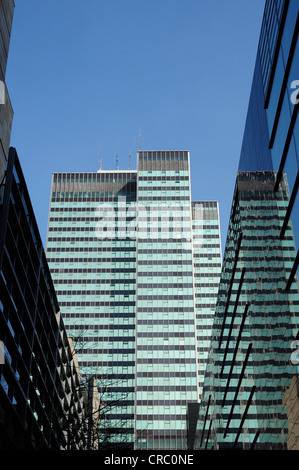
164,361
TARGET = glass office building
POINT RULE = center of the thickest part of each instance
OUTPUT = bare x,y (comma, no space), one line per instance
128,251
42,402
256,320
93,264
207,262
249,367
271,137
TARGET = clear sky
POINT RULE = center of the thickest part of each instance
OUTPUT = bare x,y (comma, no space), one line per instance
90,77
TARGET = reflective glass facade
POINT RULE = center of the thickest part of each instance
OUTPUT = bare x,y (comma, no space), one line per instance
271,137
40,389
128,252
249,367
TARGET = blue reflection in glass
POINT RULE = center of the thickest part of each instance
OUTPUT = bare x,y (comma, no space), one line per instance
295,221
275,92
289,27
294,76
291,166
281,133
296,138
255,153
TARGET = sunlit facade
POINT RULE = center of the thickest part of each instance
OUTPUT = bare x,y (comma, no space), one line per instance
125,250
93,266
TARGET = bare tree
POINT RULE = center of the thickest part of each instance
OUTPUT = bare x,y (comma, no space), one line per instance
92,429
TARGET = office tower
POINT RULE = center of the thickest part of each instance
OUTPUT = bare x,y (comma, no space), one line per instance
252,366
207,262
42,400
166,346
6,112
94,273
43,403
249,367
121,251
271,136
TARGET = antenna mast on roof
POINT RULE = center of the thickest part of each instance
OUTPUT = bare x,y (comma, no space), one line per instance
100,161
117,155
129,160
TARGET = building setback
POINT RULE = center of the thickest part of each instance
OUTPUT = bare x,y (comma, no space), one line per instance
207,263
42,400
128,252
249,398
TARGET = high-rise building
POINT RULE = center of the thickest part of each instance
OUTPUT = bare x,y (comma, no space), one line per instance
41,397
271,136
248,396
256,319
94,273
42,401
207,262
136,267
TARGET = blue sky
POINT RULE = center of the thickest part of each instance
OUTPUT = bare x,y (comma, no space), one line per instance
89,77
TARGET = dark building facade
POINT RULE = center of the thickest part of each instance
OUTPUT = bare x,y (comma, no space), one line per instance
256,321
271,137
251,364
41,398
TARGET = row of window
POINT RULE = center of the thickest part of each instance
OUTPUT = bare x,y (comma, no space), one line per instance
102,176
